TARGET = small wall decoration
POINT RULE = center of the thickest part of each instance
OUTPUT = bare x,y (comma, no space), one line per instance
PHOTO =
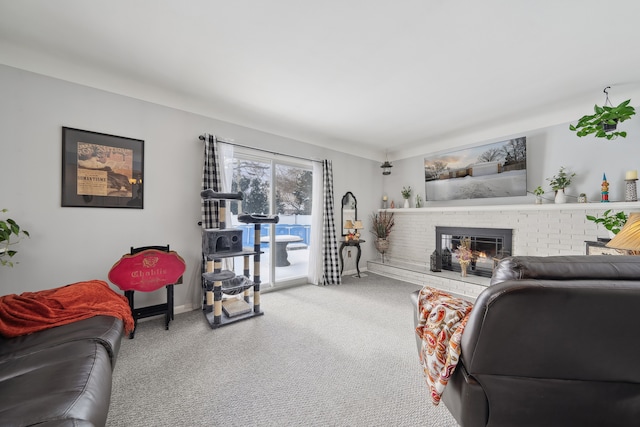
491,170
100,170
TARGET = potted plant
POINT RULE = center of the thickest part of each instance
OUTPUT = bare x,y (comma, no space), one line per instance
538,192
406,195
381,225
603,122
559,182
611,221
9,228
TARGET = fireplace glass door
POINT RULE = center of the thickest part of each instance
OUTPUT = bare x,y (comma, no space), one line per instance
486,244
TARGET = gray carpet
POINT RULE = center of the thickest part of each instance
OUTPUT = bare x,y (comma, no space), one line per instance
320,356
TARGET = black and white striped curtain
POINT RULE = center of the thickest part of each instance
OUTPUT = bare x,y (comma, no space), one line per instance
331,266
210,179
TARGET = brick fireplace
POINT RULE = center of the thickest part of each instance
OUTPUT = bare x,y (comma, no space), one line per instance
539,230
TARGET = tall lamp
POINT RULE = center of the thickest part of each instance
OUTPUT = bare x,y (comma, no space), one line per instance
628,238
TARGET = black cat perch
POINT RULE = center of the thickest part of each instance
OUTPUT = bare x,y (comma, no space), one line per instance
218,244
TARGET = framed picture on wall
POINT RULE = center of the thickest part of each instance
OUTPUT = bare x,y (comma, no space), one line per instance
101,170
491,170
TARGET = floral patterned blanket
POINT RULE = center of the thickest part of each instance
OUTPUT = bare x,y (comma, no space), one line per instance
441,321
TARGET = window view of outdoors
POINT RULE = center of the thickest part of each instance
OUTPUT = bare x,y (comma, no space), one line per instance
253,178
272,188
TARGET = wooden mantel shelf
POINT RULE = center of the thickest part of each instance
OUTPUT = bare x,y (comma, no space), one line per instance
616,206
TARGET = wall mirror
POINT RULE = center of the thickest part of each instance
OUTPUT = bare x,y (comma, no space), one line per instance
349,211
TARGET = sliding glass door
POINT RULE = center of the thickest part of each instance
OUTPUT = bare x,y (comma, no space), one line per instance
275,187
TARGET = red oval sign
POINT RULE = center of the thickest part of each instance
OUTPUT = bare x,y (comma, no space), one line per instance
147,271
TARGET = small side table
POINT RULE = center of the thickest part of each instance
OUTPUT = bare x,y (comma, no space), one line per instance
355,243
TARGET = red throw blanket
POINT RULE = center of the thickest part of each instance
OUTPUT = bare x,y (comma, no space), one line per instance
35,311
441,321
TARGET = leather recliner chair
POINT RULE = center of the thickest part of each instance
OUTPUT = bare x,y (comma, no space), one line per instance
551,342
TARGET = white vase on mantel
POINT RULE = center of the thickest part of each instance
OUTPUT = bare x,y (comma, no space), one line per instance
406,203
560,196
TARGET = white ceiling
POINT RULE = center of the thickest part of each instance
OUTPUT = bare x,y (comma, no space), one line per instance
360,76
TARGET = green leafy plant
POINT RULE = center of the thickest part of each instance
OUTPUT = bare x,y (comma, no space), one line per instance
538,191
604,121
381,224
9,228
406,192
561,180
611,221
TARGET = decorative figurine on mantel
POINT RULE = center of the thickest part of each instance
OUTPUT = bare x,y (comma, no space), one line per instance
604,189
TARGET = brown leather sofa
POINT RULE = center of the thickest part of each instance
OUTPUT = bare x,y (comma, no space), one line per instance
552,342
60,376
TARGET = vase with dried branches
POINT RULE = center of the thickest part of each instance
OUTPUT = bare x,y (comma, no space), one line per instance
381,224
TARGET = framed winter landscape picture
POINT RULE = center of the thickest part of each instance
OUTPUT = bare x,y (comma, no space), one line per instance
492,170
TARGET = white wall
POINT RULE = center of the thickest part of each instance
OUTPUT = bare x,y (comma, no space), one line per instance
74,244
547,150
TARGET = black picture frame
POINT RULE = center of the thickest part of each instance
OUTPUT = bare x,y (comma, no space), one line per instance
101,170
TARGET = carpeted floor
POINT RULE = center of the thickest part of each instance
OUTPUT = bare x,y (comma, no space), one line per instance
320,356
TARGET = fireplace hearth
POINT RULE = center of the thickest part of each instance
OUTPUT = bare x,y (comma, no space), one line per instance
487,245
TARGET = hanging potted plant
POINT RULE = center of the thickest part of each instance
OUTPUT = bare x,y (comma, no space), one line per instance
9,228
381,225
406,195
604,121
559,182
